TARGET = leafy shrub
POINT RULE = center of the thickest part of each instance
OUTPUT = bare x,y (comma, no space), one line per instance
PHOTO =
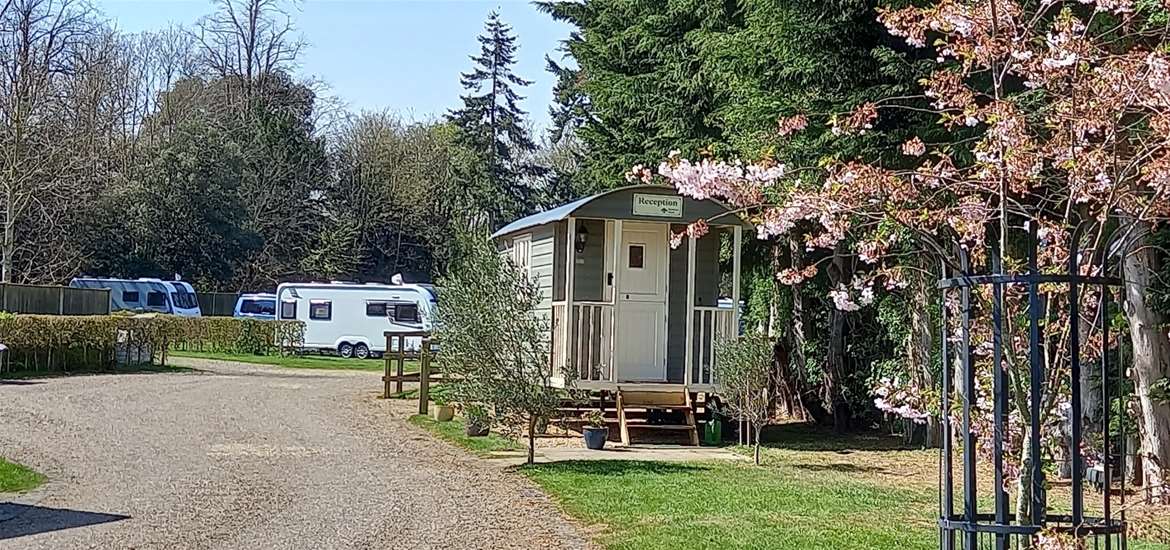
495,344
594,419
52,342
743,370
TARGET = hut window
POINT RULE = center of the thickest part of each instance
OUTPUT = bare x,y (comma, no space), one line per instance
522,251
637,256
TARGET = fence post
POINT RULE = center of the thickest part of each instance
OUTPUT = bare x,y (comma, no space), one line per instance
424,375
61,301
401,362
386,357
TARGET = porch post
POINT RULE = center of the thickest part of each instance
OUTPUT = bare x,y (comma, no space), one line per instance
737,242
568,321
617,267
690,311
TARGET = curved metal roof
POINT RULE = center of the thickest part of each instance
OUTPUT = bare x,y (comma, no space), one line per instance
565,210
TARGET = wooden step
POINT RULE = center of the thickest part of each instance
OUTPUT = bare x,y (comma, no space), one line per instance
658,407
645,402
653,399
679,427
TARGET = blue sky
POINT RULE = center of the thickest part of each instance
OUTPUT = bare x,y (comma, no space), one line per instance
401,55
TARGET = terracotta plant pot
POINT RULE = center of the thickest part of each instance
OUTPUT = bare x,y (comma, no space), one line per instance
595,438
444,413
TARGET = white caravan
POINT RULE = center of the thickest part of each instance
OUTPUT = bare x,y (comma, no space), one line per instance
146,294
352,319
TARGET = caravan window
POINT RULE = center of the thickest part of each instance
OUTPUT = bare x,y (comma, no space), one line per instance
406,313
288,309
130,296
320,310
184,300
263,307
156,299
376,309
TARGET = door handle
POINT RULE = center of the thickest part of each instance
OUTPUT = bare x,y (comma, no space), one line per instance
609,279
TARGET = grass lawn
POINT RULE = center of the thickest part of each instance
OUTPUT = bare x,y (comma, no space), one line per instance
654,505
454,432
814,491
15,478
436,391
298,361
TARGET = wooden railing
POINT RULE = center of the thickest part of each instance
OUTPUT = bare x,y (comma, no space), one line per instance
712,325
590,340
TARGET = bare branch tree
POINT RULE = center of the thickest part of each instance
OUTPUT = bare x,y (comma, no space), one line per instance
249,40
40,41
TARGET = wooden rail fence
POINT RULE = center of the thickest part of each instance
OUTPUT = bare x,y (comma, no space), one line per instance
395,361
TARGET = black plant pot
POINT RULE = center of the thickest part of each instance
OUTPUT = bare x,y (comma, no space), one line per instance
595,438
474,430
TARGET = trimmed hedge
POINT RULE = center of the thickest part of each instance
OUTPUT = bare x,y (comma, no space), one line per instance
87,342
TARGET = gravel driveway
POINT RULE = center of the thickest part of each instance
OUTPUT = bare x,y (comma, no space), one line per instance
243,456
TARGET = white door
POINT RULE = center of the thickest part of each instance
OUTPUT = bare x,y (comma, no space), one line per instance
641,323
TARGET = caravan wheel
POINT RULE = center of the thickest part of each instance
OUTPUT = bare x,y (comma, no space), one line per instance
345,350
361,351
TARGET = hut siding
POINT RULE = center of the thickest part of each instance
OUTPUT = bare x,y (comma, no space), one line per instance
706,294
541,263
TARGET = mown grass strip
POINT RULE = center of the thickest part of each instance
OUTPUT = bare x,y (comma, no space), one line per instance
15,478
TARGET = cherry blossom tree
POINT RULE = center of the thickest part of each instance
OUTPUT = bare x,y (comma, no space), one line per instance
1060,113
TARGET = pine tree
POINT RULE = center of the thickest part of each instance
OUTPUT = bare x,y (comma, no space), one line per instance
492,124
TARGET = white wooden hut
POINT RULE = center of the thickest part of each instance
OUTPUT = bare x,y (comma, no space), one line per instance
630,315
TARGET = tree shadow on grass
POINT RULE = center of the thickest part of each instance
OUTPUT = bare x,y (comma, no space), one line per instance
268,371
617,467
19,520
810,437
841,467
25,376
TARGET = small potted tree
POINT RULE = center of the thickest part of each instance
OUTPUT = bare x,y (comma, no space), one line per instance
479,423
596,430
444,411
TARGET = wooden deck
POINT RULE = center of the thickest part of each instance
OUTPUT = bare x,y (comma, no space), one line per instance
666,387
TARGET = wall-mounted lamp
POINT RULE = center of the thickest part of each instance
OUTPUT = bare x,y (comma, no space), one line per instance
581,239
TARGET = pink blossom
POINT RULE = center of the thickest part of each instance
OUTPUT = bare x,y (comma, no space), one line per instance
790,125
914,147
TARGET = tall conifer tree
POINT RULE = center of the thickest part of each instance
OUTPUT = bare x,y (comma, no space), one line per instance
492,124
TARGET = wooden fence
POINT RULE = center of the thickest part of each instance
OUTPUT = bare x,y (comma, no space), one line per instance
54,300
395,358
217,304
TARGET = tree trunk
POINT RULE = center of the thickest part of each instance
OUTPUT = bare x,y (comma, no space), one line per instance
1024,484
1151,356
531,439
758,427
834,390
9,244
919,347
